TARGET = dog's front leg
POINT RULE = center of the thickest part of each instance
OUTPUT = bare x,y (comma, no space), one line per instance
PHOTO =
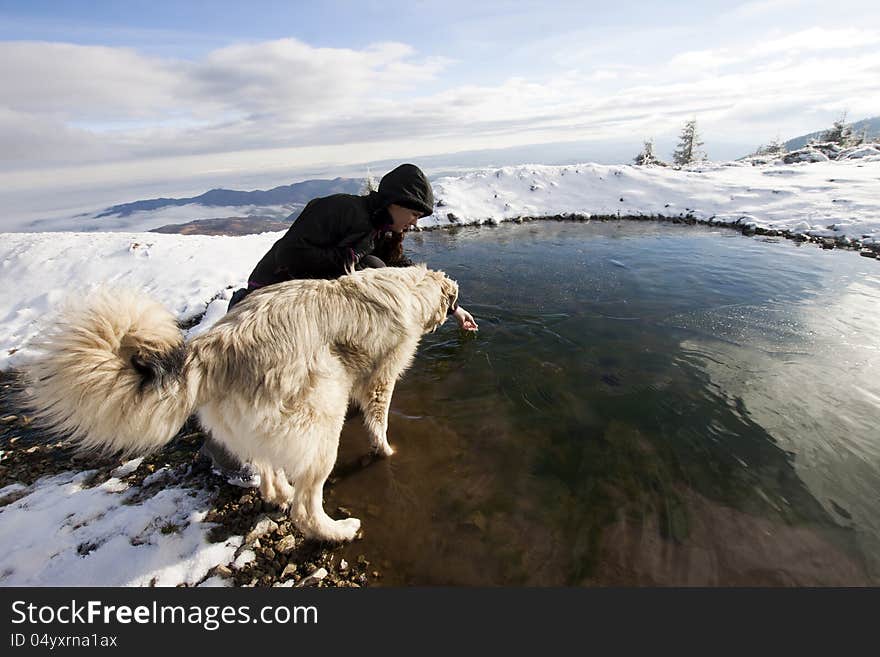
376,415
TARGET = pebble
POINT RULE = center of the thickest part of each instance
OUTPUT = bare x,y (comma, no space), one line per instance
343,566
314,579
265,525
289,571
478,520
286,545
222,571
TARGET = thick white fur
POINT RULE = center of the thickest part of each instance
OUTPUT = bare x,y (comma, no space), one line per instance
271,380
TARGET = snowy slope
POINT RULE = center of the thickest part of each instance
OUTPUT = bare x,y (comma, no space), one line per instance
803,198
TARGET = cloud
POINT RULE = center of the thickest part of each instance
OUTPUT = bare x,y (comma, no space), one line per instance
76,82
66,104
290,77
33,137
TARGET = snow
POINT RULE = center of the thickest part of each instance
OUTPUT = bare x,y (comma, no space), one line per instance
60,532
797,197
184,272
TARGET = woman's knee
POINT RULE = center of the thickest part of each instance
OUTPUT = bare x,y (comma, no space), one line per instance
371,262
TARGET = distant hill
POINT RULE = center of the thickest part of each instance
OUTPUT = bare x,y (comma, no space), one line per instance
872,124
226,226
295,194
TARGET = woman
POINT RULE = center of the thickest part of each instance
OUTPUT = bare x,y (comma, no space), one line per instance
344,231
331,236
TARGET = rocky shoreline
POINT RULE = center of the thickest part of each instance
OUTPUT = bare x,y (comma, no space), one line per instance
743,225
272,553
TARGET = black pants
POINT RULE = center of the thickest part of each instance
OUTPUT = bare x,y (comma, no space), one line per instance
237,296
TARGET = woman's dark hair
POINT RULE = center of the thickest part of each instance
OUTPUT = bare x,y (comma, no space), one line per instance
390,249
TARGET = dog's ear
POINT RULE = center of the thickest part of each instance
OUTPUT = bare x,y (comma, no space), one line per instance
450,291
443,293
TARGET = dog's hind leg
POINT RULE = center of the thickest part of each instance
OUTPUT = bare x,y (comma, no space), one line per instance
307,453
274,486
307,502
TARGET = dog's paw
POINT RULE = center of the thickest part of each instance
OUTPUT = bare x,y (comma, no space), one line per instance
383,450
346,530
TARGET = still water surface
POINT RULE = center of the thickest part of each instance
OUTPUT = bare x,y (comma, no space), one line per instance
644,404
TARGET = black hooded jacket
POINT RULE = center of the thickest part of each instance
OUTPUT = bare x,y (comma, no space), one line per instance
334,232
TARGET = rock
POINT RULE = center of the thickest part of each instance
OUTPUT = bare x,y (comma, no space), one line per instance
286,545
265,525
343,566
867,253
478,520
314,579
222,571
807,154
289,571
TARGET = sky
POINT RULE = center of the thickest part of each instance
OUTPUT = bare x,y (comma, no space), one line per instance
109,101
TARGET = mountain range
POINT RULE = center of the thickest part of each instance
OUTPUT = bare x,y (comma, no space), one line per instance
296,194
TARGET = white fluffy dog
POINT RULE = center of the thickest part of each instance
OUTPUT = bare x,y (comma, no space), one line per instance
271,380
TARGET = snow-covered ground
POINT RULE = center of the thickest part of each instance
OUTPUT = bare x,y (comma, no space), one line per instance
835,199
42,529
62,533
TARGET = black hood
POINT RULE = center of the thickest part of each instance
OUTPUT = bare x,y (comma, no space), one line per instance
407,186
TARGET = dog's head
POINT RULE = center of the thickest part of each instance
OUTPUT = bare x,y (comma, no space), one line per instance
446,297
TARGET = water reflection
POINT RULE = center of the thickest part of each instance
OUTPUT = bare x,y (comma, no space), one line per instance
644,404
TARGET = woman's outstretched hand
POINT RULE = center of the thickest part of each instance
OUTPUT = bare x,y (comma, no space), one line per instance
465,319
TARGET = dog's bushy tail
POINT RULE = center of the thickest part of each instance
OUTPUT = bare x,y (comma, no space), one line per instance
114,375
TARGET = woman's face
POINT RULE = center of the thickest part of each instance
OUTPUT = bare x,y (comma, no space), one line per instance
402,218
